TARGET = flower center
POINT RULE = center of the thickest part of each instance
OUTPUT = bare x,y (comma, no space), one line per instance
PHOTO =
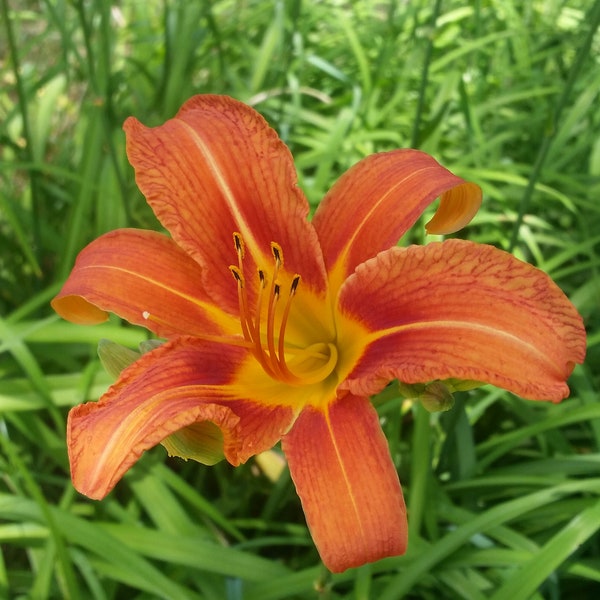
264,327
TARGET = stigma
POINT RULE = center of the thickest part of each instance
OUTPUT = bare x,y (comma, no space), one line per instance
264,323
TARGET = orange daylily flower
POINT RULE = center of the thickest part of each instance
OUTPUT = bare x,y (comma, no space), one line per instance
281,328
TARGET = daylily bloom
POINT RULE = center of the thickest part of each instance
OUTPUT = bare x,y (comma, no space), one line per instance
279,328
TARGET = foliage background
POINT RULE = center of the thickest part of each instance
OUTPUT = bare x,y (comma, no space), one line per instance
504,494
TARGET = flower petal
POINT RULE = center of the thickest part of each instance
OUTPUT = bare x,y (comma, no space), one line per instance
139,274
340,463
376,201
458,206
457,309
178,384
218,168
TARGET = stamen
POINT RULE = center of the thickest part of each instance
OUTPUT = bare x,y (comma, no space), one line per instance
259,352
284,319
322,351
242,303
250,326
259,296
269,349
273,299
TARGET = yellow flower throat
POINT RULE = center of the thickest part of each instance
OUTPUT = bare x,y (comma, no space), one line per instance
266,340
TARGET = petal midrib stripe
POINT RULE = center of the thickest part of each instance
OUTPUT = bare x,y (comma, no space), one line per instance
455,324
207,307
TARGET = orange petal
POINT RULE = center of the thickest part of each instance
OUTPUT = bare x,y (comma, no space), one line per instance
218,168
462,310
145,278
340,463
457,207
376,201
176,385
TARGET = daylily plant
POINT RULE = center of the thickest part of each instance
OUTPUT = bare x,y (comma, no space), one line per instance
280,328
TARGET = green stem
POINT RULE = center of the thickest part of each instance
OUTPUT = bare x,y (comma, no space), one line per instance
98,65
593,18
28,150
420,470
416,135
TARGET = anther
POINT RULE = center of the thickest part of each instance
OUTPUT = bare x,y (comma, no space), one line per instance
237,274
239,244
294,286
277,253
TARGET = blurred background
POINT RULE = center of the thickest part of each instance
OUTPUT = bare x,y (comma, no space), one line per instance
503,494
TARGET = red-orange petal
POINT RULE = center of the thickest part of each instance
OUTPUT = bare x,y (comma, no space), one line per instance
176,385
145,278
462,310
341,465
218,168
376,201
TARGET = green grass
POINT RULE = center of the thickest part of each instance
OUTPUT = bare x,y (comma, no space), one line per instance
504,494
